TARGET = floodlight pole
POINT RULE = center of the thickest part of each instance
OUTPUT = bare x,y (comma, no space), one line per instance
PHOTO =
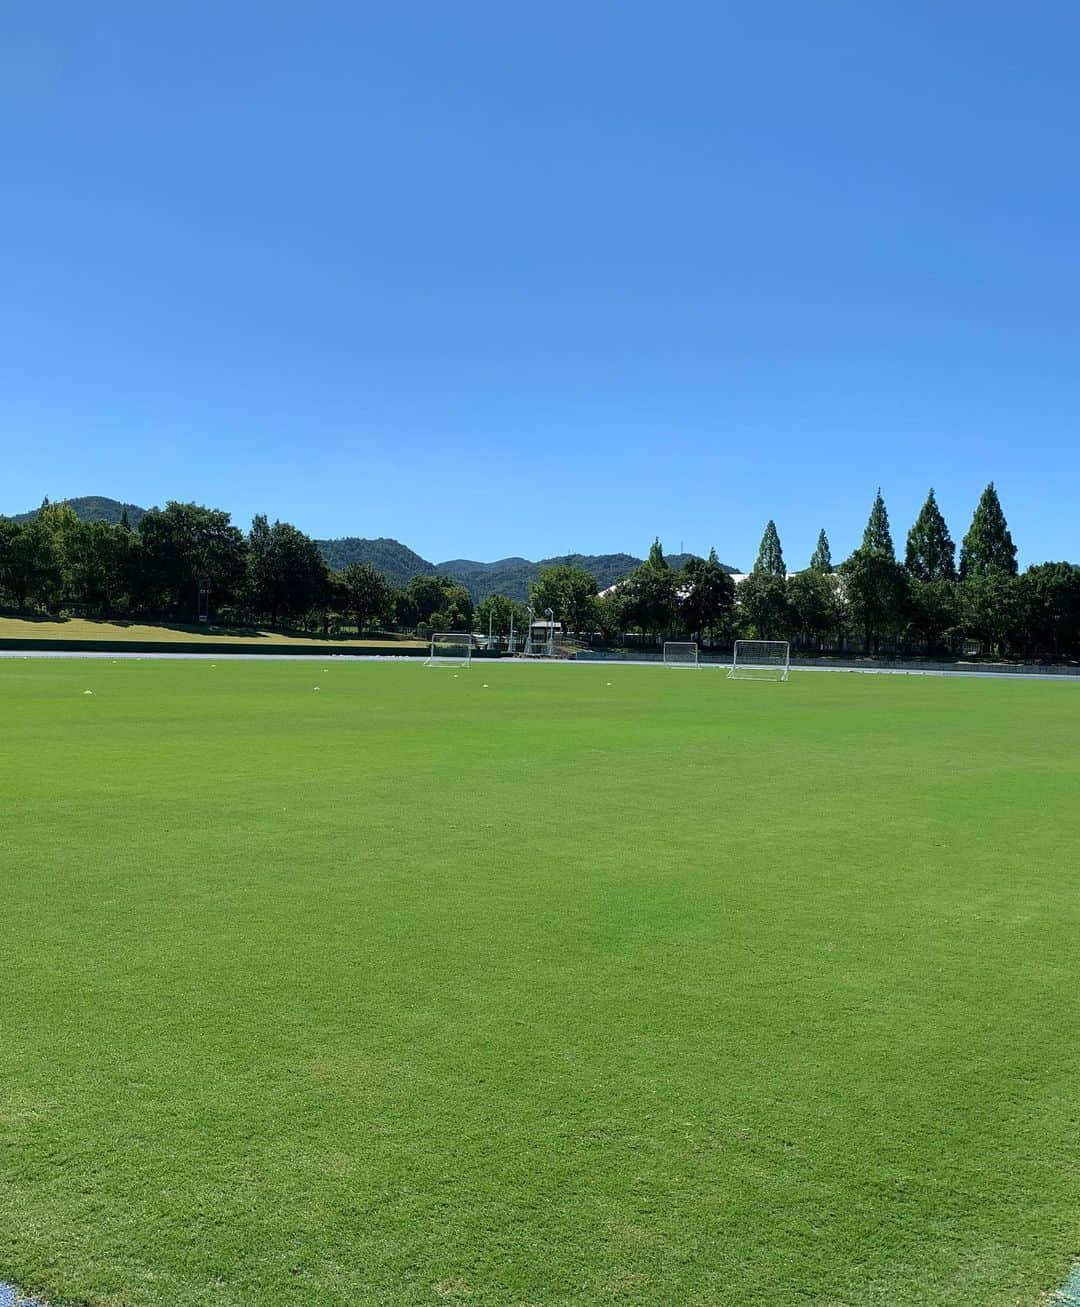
551,631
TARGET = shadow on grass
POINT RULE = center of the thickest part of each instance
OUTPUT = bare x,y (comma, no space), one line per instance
203,631
47,618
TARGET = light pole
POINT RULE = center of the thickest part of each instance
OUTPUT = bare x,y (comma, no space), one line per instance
204,599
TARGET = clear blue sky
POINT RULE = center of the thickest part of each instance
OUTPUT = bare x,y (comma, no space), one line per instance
535,277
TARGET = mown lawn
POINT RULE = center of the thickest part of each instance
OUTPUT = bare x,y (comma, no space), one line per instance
596,985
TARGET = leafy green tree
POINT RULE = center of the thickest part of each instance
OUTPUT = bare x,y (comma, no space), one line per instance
570,592
994,606
14,583
875,586
811,602
38,563
181,543
59,533
770,558
706,596
649,600
42,556
821,558
611,618
286,574
988,544
930,553
101,563
839,610
364,592
762,606
119,567
260,566
934,617
1053,608
656,557
877,536
436,601
877,594
497,612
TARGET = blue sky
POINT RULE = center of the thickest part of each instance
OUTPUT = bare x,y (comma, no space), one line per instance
537,277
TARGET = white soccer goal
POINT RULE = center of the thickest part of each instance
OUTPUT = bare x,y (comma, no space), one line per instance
760,660
681,653
450,649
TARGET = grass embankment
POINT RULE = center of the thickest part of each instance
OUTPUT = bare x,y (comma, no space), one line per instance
85,629
592,986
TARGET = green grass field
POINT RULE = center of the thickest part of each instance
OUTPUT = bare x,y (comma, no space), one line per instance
598,985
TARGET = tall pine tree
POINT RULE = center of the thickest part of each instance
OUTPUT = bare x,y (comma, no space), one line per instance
770,559
656,559
877,537
988,546
821,558
930,554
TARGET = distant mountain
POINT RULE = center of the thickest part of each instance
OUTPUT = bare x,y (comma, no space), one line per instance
680,560
396,561
514,577
94,508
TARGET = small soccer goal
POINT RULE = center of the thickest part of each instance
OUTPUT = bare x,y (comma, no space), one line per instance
760,660
681,653
450,649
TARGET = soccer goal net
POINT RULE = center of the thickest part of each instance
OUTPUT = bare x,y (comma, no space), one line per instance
450,649
760,660
680,653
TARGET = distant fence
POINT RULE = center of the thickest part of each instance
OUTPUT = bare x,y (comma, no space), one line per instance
332,648
848,663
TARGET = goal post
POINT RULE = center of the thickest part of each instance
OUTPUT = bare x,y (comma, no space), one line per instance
760,660
450,649
681,653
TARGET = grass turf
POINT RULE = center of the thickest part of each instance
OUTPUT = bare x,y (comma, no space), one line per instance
668,990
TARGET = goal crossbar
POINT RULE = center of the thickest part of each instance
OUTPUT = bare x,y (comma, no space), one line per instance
681,653
450,649
760,660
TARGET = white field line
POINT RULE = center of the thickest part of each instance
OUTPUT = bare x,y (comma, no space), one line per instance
607,663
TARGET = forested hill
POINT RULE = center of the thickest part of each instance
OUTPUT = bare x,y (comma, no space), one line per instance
396,561
512,577
95,508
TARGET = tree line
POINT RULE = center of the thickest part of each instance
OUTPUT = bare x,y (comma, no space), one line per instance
185,555
929,602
